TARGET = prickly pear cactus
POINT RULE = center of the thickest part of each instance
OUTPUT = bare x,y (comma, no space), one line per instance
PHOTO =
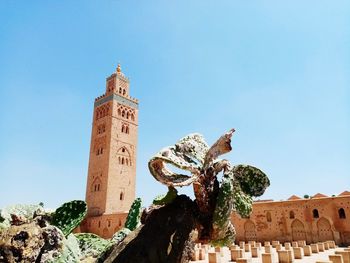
20,211
187,154
120,235
215,200
92,245
133,218
224,205
69,216
70,253
167,198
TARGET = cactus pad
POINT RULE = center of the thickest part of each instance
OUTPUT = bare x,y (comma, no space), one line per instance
25,212
243,203
120,235
92,245
167,198
252,180
133,218
69,215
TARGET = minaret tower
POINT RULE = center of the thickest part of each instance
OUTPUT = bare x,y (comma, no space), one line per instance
111,178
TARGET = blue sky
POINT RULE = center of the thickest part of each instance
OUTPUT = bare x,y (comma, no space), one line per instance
276,71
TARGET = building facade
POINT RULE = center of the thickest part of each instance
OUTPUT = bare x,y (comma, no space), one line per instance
110,188
319,218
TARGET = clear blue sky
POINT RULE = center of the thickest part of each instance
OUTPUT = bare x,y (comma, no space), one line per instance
276,71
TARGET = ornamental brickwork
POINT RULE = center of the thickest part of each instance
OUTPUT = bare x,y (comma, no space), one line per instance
111,179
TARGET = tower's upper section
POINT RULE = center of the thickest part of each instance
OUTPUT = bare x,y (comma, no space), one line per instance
117,87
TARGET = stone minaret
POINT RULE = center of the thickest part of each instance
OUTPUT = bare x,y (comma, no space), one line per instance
110,188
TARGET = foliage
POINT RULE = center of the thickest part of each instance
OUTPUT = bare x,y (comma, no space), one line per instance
133,217
68,216
92,245
215,200
167,198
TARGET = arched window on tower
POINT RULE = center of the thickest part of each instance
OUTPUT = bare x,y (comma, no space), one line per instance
315,213
123,113
268,216
127,115
120,90
291,215
122,160
341,213
121,196
124,91
123,128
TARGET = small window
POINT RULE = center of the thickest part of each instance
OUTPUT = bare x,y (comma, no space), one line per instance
268,217
291,215
121,196
315,213
109,223
341,213
99,223
124,91
123,113
123,160
123,150
99,151
120,90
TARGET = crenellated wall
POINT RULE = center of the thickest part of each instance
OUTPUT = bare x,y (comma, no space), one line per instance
320,218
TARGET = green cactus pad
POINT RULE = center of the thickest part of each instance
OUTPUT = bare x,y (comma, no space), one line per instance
68,216
223,208
243,203
133,217
167,198
71,252
92,245
120,235
252,180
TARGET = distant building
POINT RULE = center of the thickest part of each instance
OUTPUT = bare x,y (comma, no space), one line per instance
319,218
110,188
